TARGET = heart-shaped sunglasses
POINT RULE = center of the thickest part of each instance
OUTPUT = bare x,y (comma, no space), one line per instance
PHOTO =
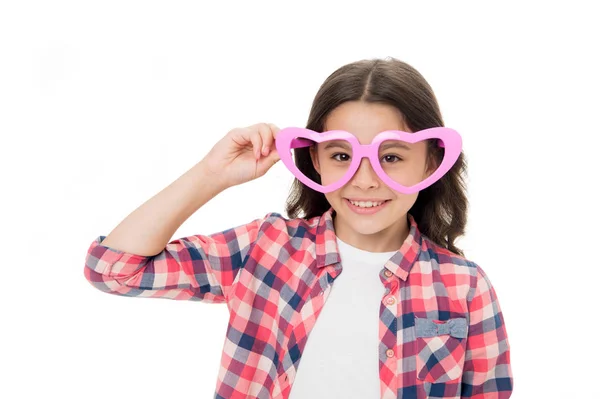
297,137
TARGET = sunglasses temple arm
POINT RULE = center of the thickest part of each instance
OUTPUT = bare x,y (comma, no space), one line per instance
299,143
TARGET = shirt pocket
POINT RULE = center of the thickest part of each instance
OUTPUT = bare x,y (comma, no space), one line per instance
441,347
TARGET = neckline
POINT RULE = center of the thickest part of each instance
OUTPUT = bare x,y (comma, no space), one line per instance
352,247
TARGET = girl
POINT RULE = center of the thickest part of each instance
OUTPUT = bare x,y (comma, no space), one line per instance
407,315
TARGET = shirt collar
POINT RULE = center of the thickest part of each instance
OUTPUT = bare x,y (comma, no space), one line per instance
399,264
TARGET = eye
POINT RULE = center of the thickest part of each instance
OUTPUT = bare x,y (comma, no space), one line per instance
340,153
393,156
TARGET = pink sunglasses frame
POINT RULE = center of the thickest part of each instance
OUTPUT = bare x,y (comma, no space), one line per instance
297,137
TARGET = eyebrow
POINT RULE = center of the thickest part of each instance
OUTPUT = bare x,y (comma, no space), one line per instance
394,144
342,144
345,145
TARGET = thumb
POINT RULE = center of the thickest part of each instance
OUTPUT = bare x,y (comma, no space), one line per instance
267,162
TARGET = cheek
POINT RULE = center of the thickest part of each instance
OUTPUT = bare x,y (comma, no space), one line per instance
407,173
331,171
417,172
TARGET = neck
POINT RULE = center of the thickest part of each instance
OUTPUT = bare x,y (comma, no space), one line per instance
387,240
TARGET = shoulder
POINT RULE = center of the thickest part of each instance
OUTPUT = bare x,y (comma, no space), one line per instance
435,252
277,220
450,263
274,224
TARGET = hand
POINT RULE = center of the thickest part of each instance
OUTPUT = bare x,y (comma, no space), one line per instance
244,154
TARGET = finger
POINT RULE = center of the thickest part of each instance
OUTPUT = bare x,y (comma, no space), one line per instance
274,156
267,138
270,145
267,162
256,143
274,129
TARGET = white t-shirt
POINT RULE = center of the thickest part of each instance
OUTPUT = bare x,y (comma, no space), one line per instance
341,357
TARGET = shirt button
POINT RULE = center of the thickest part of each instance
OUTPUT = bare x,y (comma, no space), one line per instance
388,273
391,300
389,352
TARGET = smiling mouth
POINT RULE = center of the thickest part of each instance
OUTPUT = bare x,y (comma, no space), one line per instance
366,208
365,201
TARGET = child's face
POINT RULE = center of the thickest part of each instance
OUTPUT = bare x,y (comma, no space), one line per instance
379,231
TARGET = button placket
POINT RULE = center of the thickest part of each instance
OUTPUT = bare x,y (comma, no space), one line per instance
390,343
390,300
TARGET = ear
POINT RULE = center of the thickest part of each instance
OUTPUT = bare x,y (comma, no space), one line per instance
431,166
314,158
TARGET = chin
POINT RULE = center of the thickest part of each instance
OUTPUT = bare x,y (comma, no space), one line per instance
376,221
370,229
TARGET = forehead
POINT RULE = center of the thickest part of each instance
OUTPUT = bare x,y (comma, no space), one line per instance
365,120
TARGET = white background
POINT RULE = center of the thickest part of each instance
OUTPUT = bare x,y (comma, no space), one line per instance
103,104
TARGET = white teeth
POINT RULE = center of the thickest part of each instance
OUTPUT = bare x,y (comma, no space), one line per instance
367,204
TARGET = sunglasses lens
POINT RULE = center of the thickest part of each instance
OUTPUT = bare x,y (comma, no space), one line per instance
403,162
331,159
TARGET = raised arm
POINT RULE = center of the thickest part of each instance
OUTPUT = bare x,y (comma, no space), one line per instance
198,268
137,259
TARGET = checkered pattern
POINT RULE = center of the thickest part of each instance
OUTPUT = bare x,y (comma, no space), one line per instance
440,358
275,275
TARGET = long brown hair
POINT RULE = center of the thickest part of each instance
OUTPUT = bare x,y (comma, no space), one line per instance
440,209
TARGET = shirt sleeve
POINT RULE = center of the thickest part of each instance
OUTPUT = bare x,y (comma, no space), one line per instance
197,268
487,371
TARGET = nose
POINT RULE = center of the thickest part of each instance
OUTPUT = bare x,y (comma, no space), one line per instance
365,177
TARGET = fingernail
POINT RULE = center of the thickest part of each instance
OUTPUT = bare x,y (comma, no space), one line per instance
265,150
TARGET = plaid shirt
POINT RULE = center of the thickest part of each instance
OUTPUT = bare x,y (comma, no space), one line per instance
441,329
